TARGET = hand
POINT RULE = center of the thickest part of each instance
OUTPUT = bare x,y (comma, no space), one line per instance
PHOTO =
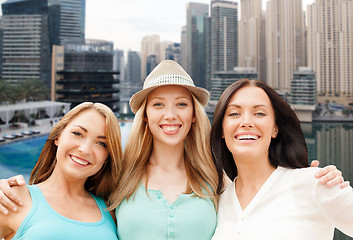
329,175
8,198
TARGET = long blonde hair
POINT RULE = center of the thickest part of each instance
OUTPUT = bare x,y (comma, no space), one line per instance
200,169
105,181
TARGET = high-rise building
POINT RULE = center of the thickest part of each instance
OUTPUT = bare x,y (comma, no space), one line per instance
285,42
303,93
252,47
173,52
183,47
87,74
72,19
119,64
330,48
222,79
150,45
30,29
196,15
224,35
133,69
151,63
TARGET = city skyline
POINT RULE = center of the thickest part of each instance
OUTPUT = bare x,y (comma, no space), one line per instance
125,24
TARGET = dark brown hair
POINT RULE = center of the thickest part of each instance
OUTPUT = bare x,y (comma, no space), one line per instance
288,149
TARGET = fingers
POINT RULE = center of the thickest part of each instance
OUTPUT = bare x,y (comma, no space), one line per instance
7,196
314,163
16,181
344,184
330,176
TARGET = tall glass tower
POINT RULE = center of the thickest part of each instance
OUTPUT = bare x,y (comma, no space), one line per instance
29,30
224,35
196,15
72,19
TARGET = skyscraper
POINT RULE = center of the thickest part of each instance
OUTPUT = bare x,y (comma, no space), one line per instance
330,48
196,15
252,47
285,42
133,68
72,19
30,29
224,35
28,34
150,45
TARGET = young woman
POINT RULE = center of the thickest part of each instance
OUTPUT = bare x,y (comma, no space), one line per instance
168,183
257,140
77,170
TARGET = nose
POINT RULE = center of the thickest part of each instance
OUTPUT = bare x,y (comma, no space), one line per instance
170,113
247,121
85,147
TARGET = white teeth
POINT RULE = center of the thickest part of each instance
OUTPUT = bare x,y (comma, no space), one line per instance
79,161
170,128
247,137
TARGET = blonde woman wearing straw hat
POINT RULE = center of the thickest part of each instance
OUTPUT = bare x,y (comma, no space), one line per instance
168,183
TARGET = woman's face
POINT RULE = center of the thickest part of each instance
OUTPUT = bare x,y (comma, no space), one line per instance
249,123
82,146
169,114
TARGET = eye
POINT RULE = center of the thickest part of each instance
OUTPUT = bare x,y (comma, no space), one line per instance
76,133
157,104
182,104
260,114
102,144
233,114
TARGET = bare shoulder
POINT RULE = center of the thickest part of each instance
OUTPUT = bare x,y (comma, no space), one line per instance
10,223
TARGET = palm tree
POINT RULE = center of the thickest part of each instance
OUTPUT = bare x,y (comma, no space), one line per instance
33,90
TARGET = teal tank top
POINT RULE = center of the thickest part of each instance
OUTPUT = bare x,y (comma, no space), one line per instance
152,217
43,223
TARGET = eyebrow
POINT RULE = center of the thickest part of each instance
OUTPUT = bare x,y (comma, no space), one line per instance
162,98
85,130
238,106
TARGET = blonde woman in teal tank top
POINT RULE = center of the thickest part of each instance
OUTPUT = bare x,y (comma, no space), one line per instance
76,171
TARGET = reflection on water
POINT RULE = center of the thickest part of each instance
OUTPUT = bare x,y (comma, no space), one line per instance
332,143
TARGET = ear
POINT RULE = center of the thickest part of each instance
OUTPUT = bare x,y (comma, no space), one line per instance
275,132
145,119
56,142
193,119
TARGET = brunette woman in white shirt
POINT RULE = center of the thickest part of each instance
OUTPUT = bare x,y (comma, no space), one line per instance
257,140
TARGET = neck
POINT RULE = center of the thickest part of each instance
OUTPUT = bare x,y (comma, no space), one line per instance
57,183
169,157
253,173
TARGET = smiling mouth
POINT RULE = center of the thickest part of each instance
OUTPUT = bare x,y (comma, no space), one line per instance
79,161
170,128
247,137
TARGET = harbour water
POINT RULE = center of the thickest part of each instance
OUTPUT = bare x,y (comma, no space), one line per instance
329,142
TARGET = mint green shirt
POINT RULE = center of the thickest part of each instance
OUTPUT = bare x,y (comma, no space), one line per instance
153,217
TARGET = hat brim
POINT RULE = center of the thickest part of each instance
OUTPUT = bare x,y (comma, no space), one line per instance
201,94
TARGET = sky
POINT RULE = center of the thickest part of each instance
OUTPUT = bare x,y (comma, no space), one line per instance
126,22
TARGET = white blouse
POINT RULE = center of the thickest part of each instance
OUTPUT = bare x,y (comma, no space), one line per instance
291,204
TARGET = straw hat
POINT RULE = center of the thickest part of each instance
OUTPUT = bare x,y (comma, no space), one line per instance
167,73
